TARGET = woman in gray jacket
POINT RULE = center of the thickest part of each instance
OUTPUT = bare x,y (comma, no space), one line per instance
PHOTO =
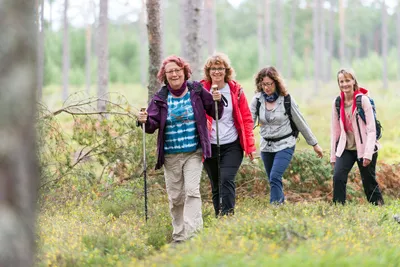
280,121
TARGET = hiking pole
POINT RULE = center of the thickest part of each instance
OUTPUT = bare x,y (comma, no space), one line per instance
144,166
215,87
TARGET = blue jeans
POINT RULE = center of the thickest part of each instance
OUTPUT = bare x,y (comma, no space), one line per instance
275,164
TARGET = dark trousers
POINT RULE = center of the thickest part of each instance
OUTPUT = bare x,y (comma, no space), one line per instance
343,166
275,164
231,156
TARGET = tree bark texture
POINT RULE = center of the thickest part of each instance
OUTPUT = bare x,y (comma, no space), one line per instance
102,68
40,50
18,162
154,37
66,63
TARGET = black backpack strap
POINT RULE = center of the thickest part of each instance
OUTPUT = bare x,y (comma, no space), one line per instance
287,102
337,105
257,112
360,109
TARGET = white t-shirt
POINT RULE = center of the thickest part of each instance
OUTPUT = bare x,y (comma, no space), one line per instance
226,126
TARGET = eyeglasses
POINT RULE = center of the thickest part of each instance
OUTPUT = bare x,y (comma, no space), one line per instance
174,70
217,69
267,84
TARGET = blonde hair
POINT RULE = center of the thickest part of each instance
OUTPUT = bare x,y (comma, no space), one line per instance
348,73
219,58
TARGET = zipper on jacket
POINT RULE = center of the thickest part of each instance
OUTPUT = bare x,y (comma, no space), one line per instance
358,126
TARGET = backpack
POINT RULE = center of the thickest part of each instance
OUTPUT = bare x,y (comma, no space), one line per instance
288,104
361,113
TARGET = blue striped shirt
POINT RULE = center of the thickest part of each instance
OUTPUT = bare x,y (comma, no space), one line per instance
180,131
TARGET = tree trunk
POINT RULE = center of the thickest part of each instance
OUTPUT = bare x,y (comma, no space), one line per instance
143,47
384,45
260,43
267,35
342,32
193,39
65,72
40,51
88,56
210,26
279,36
19,173
103,55
291,37
154,36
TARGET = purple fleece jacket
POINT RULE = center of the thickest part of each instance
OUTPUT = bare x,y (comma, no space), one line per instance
202,103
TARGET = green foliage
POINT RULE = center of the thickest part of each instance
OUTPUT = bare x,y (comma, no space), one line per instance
311,233
308,167
238,40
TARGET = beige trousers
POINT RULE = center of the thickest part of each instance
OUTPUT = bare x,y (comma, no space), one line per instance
182,178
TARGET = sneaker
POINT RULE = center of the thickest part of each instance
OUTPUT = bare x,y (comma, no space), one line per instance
174,243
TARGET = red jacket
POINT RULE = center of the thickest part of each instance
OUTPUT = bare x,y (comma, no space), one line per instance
241,116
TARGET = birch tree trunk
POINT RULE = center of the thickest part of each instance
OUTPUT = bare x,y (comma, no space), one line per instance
66,63
18,162
384,39
154,37
193,16
88,52
40,50
102,51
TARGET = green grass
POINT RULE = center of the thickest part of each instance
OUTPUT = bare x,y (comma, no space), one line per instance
309,234
95,229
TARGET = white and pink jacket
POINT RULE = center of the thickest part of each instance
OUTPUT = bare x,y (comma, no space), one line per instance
369,143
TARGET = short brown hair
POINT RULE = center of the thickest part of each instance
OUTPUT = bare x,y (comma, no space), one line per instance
219,58
162,77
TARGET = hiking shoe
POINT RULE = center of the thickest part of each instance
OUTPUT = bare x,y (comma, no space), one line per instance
174,243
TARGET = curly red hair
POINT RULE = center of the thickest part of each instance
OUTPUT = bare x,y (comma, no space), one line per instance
162,77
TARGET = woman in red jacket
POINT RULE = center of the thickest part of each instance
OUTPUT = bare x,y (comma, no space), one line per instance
235,133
